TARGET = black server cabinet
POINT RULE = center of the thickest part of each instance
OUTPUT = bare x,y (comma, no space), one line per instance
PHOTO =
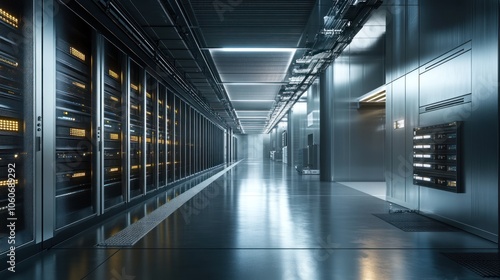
151,93
183,142
197,143
187,148
15,121
177,138
192,142
74,118
136,130
437,155
170,137
162,134
114,120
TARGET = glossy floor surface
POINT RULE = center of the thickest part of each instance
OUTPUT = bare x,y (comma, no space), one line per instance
261,220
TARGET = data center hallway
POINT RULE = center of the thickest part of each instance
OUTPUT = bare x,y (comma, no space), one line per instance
262,220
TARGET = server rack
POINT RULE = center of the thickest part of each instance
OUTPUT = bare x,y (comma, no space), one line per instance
16,121
162,136
183,144
151,93
187,135
177,138
74,119
193,142
205,143
136,130
197,142
114,102
170,137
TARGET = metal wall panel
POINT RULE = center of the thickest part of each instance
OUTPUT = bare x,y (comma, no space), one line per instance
357,134
402,38
398,139
340,117
411,121
254,146
473,72
388,140
313,108
396,32
412,36
297,121
449,79
366,125
326,125
444,25
367,134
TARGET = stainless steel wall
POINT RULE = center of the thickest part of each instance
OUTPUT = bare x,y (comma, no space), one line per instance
253,146
357,135
297,123
313,113
304,120
457,56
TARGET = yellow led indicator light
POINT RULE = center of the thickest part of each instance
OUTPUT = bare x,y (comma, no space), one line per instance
6,183
135,107
9,19
77,132
134,138
149,95
9,61
148,140
78,175
135,167
113,74
115,169
114,99
134,87
114,136
80,85
9,125
76,53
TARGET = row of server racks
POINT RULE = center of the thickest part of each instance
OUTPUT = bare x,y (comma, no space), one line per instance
100,132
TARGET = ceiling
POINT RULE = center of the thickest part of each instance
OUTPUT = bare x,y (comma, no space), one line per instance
235,57
251,44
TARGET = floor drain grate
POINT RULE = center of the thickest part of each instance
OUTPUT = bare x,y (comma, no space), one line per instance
486,265
413,222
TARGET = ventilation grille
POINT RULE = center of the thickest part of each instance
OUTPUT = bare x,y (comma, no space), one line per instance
446,103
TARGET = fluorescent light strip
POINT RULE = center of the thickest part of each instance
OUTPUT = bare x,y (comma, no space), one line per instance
254,50
254,83
272,100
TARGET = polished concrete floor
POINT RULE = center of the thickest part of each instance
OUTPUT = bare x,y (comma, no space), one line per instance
261,220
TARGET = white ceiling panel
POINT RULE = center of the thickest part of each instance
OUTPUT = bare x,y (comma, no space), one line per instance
251,114
246,92
252,79
253,105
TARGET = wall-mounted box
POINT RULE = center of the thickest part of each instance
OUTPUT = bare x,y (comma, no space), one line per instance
437,156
